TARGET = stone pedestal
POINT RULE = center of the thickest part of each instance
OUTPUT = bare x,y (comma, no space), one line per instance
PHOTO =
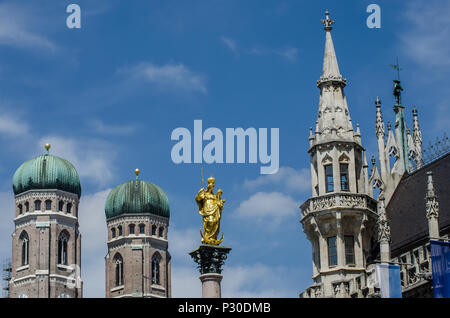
209,259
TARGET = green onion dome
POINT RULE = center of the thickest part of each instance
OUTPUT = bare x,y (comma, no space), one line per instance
137,197
46,172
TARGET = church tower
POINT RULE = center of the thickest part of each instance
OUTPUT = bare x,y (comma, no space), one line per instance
46,243
138,263
340,216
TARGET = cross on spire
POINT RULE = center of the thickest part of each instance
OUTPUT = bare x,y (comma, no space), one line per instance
328,21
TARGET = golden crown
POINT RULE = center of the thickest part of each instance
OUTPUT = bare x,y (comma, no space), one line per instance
211,179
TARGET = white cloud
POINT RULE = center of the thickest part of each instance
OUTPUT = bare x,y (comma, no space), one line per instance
183,241
288,53
92,158
270,207
12,126
105,129
286,177
426,33
231,45
259,280
93,241
17,29
168,77
186,282
244,281
6,225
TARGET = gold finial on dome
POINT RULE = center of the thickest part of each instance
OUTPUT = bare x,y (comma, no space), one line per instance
137,172
47,147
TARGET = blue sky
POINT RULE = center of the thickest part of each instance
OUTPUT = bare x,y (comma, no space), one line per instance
108,96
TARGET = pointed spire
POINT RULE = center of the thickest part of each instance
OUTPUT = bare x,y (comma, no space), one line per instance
417,138
384,231
432,205
432,208
330,70
334,120
379,123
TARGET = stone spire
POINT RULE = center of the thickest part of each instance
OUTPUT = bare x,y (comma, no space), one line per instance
334,120
417,138
432,207
384,231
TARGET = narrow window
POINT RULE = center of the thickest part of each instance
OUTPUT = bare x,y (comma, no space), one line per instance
20,209
344,176
120,230
153,229
119,270
25,242
27,207
155,269
37,205
349,250
329,185
160,231
131,228
332,251
48,205
141,228
113,232
69,208
61,206
62,249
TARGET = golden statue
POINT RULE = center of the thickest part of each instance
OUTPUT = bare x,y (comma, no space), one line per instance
210,207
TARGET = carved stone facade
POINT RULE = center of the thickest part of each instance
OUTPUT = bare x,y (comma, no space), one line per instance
46,246
138,263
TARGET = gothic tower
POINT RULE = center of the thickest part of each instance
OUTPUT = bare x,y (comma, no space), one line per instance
138,263
46,243
340,216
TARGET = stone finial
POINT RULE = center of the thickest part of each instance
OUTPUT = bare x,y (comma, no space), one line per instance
432,205
384,230
379,123
417,139
327,22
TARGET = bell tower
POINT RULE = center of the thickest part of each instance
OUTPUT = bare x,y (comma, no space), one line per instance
339,217
46,242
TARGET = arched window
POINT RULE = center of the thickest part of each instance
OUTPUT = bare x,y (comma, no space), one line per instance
131,228
118,263
153,229
141,228
155,268
62,248
27,207
20,208
69,207
48,205
113,232
61,206
160,231
25,242
120,230
37,205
